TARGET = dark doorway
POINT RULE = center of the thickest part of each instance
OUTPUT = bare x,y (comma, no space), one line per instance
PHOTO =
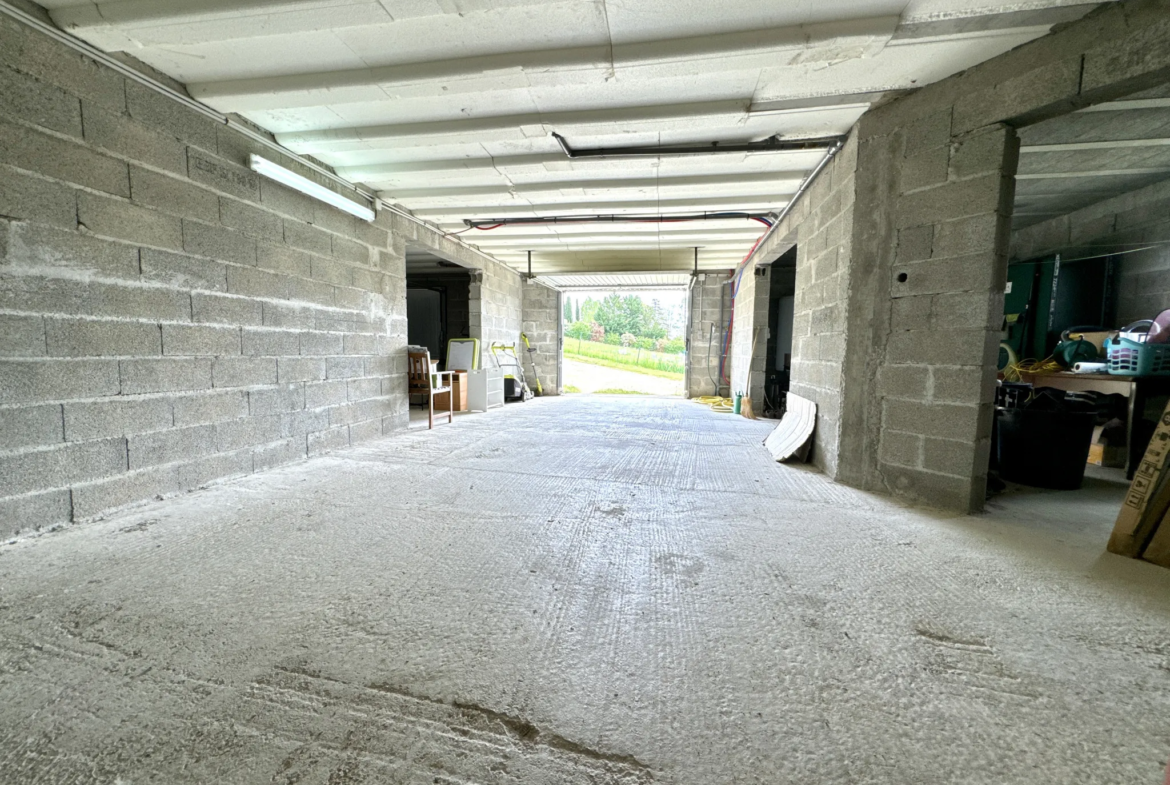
778,361
438,297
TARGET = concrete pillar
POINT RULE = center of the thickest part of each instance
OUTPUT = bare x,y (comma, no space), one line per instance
542,324
709,297
931,233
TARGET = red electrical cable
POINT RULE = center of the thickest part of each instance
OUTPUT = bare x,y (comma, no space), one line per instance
723,375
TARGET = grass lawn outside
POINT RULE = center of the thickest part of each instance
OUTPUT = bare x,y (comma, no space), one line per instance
667,366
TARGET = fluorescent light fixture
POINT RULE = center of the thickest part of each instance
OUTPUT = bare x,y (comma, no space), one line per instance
266,168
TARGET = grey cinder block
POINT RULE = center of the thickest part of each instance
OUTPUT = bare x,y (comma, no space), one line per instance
364,431
224,309
30,426
197,339
202,471
45,249
54,467
23,336
155,110
308,238
277,400
171,446
41,201
217,242
279,453
300,369
247,432
22,514
173,195
185,272
223,176
244,371
164,375
330,271
328,393
250,220
121,416
320,343
270,343
24,381
39,103
119,133
282,259
343,367
54,157
93,499
210,407
93,338
327,440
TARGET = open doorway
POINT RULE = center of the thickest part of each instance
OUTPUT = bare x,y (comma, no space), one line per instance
778,357
1090,257
438,310
438,302
624,334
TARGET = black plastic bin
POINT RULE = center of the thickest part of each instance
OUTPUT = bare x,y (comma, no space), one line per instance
1045,449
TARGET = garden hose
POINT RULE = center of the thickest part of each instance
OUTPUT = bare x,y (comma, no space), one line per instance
717,403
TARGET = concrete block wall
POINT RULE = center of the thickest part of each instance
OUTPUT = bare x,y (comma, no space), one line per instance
542,324
167,317
935,242
900,276
820,225
935,181
1136,220
709,291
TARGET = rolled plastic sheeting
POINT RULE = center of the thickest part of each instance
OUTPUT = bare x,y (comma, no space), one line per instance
1091,368
793,436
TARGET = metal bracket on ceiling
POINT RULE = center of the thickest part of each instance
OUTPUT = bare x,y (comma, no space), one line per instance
773,144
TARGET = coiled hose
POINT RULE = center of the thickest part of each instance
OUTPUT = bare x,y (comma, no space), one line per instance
717,403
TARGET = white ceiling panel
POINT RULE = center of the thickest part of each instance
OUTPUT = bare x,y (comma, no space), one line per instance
448,106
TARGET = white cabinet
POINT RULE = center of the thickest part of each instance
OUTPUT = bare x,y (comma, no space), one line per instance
485,389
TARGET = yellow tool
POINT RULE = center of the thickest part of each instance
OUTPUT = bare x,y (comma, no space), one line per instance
532,359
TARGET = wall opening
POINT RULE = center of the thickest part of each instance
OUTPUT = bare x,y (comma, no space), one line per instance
624,338
438,303
778,354
1090,254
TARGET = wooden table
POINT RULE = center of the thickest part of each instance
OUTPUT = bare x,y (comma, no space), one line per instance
1137,390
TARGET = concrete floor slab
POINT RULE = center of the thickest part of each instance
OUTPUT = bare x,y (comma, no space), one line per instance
581,590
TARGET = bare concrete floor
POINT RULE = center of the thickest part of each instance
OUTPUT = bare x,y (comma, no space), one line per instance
581,590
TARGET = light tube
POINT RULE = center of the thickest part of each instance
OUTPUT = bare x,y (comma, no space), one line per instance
264,167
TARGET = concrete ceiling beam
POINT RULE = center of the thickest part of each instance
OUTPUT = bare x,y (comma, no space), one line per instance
739,183
1094,173
751,49
622,204
557,163
135,23
515,127
1128,105
1064,147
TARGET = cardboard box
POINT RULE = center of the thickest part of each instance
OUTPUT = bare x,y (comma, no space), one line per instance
1106,455
1148,496
1158,551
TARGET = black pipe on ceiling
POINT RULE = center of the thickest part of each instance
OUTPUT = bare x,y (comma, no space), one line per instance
539,220
773,144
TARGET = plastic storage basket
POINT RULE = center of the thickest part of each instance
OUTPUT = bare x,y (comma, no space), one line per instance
1133,358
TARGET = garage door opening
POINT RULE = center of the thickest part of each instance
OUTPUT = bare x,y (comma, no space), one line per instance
622,338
